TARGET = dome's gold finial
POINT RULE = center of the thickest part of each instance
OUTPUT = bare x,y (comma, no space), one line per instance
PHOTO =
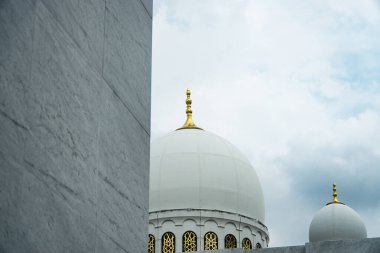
189,112
335,197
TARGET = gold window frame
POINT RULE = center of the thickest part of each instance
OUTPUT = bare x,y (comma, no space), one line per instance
230,242
189,241
246,243
168,243
210,241
151,244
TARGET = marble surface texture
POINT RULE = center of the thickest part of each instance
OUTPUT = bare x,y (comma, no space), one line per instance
74,125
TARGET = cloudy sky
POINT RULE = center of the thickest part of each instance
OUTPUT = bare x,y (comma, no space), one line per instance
295,85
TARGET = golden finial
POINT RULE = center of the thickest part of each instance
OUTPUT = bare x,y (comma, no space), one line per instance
335,197
189,112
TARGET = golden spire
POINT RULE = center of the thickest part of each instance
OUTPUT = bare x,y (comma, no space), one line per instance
189,120
335,197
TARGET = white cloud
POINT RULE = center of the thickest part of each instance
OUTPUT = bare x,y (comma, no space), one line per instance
295,85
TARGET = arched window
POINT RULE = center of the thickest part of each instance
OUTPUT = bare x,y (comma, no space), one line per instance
210,241
246,243
168,243
230,242
189,241
151,244
258,246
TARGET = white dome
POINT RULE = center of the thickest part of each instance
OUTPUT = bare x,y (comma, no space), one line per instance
336,221
195,169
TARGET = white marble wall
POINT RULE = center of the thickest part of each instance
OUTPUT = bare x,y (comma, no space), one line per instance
180,221
74,125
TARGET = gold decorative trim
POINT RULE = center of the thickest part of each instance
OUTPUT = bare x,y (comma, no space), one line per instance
189,123
151,244
230,242
246,243
189,241
258,246
335,197
210,241
168,243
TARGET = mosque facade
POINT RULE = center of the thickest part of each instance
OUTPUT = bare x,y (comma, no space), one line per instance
205,195
75,140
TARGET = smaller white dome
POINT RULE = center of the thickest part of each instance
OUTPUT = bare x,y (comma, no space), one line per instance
336,221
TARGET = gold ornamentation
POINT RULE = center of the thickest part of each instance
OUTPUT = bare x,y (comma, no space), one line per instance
335,197
151,244
258,246
168,243
246,243
230,242
189,241
210,241
189,124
